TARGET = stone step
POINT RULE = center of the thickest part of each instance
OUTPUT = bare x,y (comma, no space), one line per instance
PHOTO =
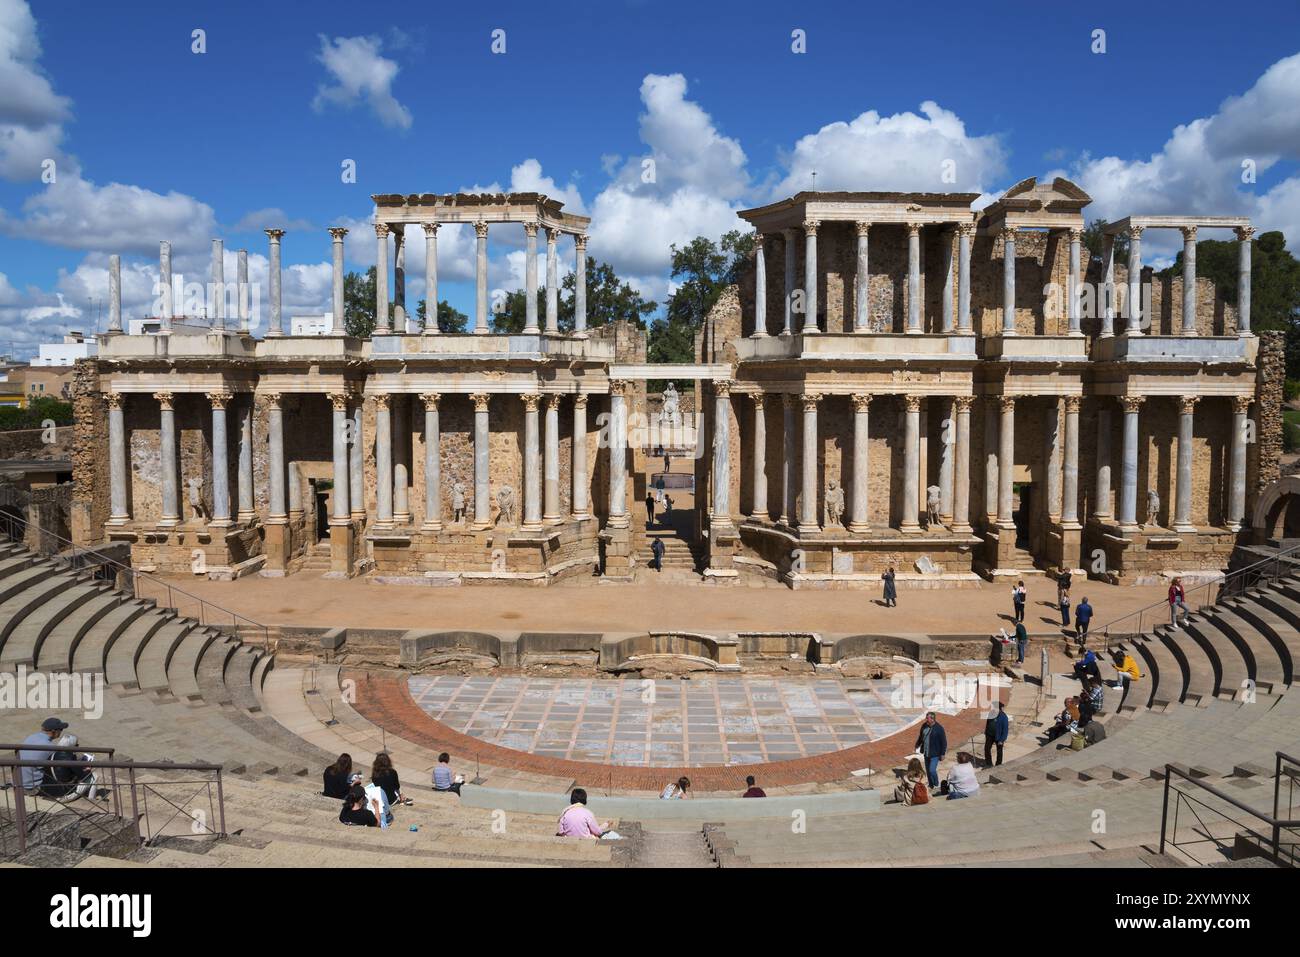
156,653
1198,672
1230,673
119,662
1284,636
23,644
91,652
55,653
1263,664
182,670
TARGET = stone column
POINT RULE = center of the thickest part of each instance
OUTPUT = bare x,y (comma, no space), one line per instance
218,279
1008,280
171,505
810,276
1189,280
580,284
992,470
1183,487
760,288
401,419
947,450
532,473
964,233
618,453
383,460
340,501
759,511
275,326
480,279
220,459
552,283
356,460
1070,474
1108,286
276,511
1134,327
914,278
531,327
1101,507
114,294
947,313
382,326
789,449
862,283
241,289
339,325
722,451
399,279
482,458
791,237
118,467
1129,468
1052,430
165,293
432,462
911,463
247,512
1237,486
1072,292
581,500
551,463
431,278
809,523
961,469
1243,279
295,492
859,521
1006,460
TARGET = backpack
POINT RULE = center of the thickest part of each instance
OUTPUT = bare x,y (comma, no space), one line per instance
1078,741
920,793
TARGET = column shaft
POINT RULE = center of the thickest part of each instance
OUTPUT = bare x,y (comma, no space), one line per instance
759,511
277,514
1052,430
580,285
399,280
432,464
1008,282
963,277
382,326
1101,507
911,463
218,312
1108,286
340,502
1129,468
992,445
383,460
482,459
551,462
808,517
117,461
1134,327
859,515
1189,281
1006,461
1070,473
618,455
480,280
356,461
760,287
581,499
247,512
532,470
1237,486
1243,279
810,277
789,448
552,283
961,469
339,324
220,460
431,277
947,456
276,325
401,419
787,321
1183,491
948,278
167,300
530,279
171,506
913,278
862,283
722,452
1072,290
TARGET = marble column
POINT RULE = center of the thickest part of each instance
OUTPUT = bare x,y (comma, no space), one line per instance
1243,279
581,498
948,280
383,460
911,464
914,279
220,459
1189,280
580,284
275,326
171,504
1129,467
356,460
862,283
789,449
1008,280
118,466
218,281
1070,473
760,288
482,461
1108,286
241,289
1052,452
992,446
810,276
618,389
382,324
339,325
964,233
759,510
531,327
1134,327
961,468
276,508
340,500
1183,478
114,294
551,462
809,523
247,512
166,296
480,279
1006,460
947,455
552,282
1073,310
295,492
1101,506
401,420
432,463
399,279
722,451
1237,481
532,472
791,236
431,278
859,521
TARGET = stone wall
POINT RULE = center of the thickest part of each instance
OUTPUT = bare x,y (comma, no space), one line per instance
89,454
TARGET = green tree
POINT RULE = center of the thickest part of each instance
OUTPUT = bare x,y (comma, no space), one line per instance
450,319
703,269
1095,242
359,304
40,409
609,299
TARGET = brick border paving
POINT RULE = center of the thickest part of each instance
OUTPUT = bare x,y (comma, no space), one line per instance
386,701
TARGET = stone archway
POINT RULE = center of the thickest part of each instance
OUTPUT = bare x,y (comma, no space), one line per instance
1277,513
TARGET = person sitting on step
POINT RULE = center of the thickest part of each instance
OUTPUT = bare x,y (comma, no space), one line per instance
443,779
355,810
577,821
384,774
961,782
676,791
905,792
337,776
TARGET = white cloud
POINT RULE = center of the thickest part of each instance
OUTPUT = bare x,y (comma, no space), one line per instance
360,74
272,217
31,113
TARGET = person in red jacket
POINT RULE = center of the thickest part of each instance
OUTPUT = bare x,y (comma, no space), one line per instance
1177,600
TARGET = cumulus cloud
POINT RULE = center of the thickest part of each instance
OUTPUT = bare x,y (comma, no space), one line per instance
272,217
359,74
31,112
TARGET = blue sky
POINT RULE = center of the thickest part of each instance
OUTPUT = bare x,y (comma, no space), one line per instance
252,132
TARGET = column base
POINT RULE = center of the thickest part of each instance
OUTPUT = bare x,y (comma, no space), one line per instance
552,519
1233,526
580,516
532,331
118,520
809,529
221,524
961,528
760,517
910,528
618,521
276,545
912,332
1183,528
758,335
859,528
244,517
483,331
169,522
357,516
431,527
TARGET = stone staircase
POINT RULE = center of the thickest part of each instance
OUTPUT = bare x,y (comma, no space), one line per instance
316,561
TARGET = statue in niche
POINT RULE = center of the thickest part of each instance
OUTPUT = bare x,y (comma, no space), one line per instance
932,505
458,502
670,414
196,499
506,505
834,506
1153,507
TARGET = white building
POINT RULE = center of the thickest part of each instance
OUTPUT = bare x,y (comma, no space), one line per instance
320,325
73,347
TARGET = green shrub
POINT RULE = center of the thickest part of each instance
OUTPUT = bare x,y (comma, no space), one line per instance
1291,389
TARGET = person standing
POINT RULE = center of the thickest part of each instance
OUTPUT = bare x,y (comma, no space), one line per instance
657,550
1064,599
1018,596
891,592
932,744
1022,642
1177,601
996,729
649,509
1082,618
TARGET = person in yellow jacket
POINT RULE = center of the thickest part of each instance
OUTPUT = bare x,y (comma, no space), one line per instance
1128,670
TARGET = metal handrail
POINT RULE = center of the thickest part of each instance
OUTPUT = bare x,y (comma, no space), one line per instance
1275,824
136,575
1226,587
1279,757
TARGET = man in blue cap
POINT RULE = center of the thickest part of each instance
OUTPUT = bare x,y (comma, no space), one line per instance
51,728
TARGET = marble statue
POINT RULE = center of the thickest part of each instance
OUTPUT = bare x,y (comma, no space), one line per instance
932,504
458,502
506,505
834,504
670,415
196,499
1153,506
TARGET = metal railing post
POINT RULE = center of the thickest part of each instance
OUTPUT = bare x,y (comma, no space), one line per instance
135,806
1164,811
221,803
